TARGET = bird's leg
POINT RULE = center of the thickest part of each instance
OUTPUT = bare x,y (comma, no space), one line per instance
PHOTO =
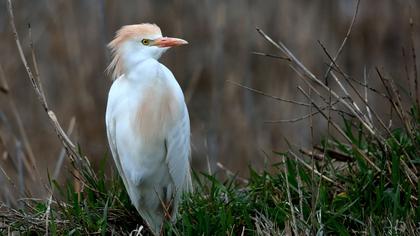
166,204
168,209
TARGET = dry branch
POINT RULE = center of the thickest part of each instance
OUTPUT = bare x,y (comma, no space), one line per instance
310,77
268,95
319,154
70,148
342,43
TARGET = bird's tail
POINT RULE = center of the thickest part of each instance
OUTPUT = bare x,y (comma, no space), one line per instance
153,220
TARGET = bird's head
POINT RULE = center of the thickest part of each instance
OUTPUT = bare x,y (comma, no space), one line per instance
134,43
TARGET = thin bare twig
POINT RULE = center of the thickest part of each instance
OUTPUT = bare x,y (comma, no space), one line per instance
401,110
7,176
47,214
410,173
286,51
314,186
270,55
348,96
298,66
307,116
366,96
319,154
314,170
66,142
350,79
342,43
307,74
35,64
63,151
231,174
337,127
407,75
268,95
413,53
29,159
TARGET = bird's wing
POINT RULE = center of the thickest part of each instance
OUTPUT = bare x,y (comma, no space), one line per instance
178,153
110,125
111,129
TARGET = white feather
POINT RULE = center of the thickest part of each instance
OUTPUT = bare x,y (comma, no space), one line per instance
154,165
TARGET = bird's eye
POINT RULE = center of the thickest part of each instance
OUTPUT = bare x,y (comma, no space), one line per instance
145,42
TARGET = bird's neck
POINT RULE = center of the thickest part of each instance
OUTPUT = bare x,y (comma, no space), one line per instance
143,71
133,60
132,57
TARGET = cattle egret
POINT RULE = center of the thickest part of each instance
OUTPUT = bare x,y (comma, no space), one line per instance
147,123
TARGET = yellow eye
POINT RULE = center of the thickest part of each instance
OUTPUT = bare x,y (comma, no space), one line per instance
145,42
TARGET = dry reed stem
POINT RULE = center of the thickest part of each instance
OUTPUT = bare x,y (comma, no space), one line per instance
352,106
348,96
329,180
311,114
413,53
268,95
366,100
310,76
410,174
80,162
342,43
407,75
314,186
350,79
298,66
62,155
47,214
366,121
393,98
35,64
7,176
30,164
337,127
401,111
70,147
398,105
271,56
231,174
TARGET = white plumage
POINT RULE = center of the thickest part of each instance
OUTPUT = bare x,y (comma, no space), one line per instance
147,123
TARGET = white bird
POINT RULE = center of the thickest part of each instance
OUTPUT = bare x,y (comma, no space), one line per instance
147,123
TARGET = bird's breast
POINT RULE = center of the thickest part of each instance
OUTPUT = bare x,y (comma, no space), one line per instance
157,110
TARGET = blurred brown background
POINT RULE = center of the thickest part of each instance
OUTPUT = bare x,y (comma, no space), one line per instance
70,39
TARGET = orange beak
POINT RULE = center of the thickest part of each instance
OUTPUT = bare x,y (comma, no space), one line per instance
165,42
